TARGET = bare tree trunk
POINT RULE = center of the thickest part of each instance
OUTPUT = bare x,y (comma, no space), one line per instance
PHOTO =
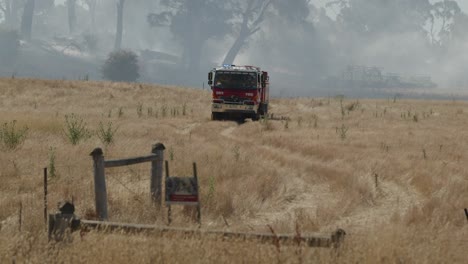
118,35
432,31
193,42
14,5
27,19
92,11
247,29
235,49
8,13
71,7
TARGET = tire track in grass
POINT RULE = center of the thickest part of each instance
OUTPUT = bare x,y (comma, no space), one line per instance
297,194
389,199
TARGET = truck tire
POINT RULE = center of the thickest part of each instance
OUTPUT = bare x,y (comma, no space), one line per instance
263,110
255,117
216,116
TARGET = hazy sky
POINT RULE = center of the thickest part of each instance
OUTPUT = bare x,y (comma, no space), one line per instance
309,54
462,3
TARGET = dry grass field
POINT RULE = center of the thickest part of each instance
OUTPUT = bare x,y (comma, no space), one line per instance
392,173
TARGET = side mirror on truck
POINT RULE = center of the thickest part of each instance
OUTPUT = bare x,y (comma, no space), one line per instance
210,78
264,78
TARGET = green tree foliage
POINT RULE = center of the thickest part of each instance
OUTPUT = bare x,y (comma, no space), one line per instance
121,66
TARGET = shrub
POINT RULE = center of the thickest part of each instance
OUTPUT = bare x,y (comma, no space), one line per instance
9,45
121,66
342,131
75,129
11,137
106,134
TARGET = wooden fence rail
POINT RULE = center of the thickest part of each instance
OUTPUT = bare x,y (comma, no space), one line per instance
65,220
130,161
311,240
99,164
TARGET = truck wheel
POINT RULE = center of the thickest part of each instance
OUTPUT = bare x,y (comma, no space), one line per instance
255,117
265,109
216,116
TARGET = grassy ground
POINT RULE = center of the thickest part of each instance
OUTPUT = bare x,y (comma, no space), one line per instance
390,172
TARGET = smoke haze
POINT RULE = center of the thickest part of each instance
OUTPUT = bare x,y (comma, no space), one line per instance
370,48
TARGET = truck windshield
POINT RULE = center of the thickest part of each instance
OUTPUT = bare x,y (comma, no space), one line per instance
235,80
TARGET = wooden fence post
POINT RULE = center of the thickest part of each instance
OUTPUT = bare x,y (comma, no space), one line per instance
169,209
99,184
156,173
198,193
45,197
20,215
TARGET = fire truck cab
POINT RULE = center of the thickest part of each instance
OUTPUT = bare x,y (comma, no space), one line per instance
238,92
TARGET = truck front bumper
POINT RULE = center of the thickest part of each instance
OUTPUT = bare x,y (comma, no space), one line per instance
234,108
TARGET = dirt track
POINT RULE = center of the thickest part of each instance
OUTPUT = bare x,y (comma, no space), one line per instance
300,196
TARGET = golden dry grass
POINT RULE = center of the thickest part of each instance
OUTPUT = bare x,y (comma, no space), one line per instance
318,169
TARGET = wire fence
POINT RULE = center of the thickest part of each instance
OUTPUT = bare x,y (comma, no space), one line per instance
125,185
126,177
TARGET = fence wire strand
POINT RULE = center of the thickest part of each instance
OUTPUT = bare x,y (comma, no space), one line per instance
125,187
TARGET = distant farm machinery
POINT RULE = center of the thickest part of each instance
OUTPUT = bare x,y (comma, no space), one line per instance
355,76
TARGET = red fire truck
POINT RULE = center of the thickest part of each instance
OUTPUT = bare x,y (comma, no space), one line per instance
239,92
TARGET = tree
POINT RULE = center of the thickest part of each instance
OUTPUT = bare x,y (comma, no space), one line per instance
10,9
27,19
5,7
9,45
119,28
252,17
445,11
121,66
91,4
252,14
193,22
71,8
458,30
371,18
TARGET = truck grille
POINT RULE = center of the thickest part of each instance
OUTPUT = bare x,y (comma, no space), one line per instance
233,99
